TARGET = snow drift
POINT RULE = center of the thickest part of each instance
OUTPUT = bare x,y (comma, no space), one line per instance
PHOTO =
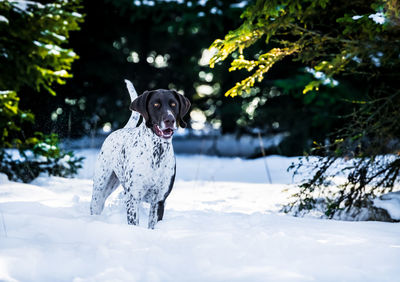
222,223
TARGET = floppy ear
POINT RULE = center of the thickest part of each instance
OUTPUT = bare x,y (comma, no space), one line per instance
184,106
140,105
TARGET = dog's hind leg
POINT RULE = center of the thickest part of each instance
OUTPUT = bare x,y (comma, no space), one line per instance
156,211
102,188
160,210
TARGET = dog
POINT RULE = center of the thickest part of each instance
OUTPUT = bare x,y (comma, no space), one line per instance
141,158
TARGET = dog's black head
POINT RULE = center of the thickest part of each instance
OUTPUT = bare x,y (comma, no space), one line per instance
162,110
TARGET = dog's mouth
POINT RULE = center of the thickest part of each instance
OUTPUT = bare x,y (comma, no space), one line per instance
163,133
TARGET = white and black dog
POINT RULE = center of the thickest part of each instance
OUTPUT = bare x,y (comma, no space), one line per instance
141,158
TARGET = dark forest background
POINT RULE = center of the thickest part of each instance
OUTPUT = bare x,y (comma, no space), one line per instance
160,44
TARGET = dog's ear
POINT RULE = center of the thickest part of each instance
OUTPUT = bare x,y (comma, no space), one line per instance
140,105
184,106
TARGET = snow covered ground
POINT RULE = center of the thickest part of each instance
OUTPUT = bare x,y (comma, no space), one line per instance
222,223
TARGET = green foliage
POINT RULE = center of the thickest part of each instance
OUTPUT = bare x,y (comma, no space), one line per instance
343,43
32,56
31,43
299,119
321,34
11,117
43,156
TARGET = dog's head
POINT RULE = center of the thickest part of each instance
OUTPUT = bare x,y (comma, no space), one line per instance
162,110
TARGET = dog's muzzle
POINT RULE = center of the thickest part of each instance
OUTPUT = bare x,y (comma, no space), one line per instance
165,133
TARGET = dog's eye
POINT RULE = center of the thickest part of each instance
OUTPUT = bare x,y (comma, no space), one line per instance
156,105
173,104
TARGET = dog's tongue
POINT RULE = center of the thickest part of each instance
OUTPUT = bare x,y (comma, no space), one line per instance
167,132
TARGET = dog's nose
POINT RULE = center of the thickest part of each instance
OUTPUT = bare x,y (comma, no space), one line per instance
169,121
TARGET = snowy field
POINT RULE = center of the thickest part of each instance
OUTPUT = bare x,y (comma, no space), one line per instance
222,223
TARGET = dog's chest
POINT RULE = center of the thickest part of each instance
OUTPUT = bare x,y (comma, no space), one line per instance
151,161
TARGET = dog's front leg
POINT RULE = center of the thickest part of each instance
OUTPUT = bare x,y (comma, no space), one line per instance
132,210
153,215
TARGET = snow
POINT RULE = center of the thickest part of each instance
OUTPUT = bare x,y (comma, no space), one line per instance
391,203
357,17
52,49
23,6
222,223
62,73
55,35
378,18
322,77
77,15
3,19
6,92
240,5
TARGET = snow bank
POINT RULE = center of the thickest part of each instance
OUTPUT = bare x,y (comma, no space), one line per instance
391,203
3,19
222,223
197,142
208,168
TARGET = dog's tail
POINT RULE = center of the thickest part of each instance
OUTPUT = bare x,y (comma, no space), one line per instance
133,120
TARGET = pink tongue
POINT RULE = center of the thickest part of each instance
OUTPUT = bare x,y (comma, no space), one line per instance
167,131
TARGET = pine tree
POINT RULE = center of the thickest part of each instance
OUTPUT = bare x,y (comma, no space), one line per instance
335,40
32,55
